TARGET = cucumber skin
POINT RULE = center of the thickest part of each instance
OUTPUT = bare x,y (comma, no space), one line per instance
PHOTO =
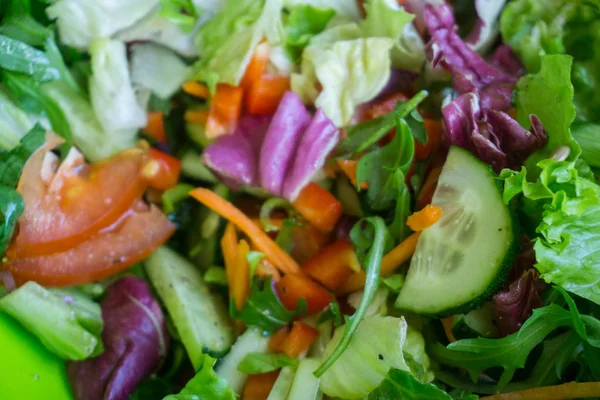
501,276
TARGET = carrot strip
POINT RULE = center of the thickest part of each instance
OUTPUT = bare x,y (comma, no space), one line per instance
390,262
299,340
424,218
349,168
447,323
258,387
240,285
196,89
229,245
319,207
426,193
196,117
155,126
260,239
571,390
277,339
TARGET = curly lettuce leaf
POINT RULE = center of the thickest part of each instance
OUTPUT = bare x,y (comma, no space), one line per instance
348,9
399,384
205,385
302,23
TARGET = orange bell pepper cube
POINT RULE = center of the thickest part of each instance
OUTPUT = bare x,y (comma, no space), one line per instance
258,387
426,193
349,168
389,263
319,207
277,339
257,66
299,340
434,137
265,94
424,218
275,254
332,266
155,126
162,171
196,89
293,287
224,111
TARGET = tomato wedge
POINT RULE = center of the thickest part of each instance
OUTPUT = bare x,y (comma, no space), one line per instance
67,207
135,236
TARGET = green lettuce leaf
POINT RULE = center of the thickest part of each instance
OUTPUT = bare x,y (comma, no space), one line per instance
302,23
399,384
226,42
348,9
259,363
14,123
588,136
205,385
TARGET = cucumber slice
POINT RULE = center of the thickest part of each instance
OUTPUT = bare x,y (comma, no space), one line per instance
462,260
474,324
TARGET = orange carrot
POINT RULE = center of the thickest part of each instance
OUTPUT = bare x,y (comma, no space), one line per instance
332,266
434,137
229,245
390,262
258,387
155,126
260,239
299,340
319,207
240,285
196,117
257,66
349,168
265,94
447,323
277,339
293,287
196,89
424,218
225,110
426,193
571,390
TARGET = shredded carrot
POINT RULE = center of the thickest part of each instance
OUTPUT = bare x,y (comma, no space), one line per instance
447,323
424,218
277,339
299,340
571,390
155,126
319,207
240,284
426,193
229,245
275,254
196,117
349,168
257,66
390,262
196,89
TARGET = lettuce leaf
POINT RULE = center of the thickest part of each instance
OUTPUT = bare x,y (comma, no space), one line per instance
399,384
348,9
302,23
14,123
80,22
205,385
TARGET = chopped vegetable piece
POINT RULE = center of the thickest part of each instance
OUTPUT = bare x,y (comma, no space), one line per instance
225,110
257,66
319,207
434,130
196,89
265,94
571,390
389,263
293,287
196,117
162,171
260,239
278,338
155,126
428,188
259,386
240,285
424,218
349,168
332,266
299,340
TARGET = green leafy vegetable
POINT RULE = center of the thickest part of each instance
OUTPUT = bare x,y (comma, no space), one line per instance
216,275
59,327
181,12
20,57
253,258
14,123
205,385
263,309
588,136
302,23
372,267
400,384
259,363
394,282
333,313
25,29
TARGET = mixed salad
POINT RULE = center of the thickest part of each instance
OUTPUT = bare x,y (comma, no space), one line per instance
299,199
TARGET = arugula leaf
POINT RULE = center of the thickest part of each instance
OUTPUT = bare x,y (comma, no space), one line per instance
333,313
398,228
372,269
205,385
259,363
11,207
263,309
302,23
403,385
20,57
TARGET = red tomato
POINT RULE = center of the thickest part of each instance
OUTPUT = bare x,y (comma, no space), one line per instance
292,288
65,208
135,236
162,171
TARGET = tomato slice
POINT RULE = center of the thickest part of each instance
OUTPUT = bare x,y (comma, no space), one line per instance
67,207
135,236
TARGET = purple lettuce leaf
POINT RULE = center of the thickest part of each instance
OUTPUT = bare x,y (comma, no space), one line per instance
135,344
505,59
281,141
319,139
